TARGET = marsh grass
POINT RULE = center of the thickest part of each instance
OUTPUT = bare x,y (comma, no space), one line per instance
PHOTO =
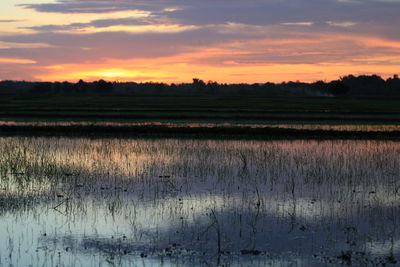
357,127
199,201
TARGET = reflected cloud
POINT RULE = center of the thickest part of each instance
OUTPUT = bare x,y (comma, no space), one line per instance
308,200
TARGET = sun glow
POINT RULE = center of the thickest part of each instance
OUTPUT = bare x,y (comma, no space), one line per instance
55,40
228,73
233,63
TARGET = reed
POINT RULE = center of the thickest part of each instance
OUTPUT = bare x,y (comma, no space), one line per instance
276,202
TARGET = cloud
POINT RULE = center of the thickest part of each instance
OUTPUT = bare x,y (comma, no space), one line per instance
327,15
344,24
115,25
309,23
79,7
239,35
9,20
102,23
13,45
16,61
250,12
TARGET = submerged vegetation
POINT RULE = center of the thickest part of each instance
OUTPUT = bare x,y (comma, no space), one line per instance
126,174
183,202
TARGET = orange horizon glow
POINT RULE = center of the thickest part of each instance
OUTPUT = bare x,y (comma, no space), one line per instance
184,67
54,40
259,74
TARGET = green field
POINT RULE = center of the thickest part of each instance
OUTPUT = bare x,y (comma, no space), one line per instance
204,108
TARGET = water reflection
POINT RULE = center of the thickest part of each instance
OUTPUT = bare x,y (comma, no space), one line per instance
184,202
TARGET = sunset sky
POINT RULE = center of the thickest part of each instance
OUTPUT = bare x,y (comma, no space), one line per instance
176,40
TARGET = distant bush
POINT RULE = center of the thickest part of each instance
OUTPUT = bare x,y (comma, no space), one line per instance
338,88
350,85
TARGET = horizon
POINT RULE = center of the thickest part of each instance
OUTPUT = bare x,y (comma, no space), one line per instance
173,41
393,76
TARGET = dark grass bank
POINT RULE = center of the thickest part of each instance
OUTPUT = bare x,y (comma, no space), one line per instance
201,108
151,131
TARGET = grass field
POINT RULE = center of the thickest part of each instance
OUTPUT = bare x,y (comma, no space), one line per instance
229,117
204,108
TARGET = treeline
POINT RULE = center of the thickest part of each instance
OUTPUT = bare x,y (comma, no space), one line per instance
363,86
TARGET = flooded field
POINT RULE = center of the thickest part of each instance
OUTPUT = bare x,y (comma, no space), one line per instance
172,202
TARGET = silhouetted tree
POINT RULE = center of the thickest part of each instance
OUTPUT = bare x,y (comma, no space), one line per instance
41,89
198,83
103,87
350,85
338,88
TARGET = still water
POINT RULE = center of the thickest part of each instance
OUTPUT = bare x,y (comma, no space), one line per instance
173,202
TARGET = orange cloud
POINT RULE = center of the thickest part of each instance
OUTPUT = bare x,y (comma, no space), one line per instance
182,68
309,57
16,61
157,28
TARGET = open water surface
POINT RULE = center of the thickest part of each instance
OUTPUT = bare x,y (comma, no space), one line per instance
173,202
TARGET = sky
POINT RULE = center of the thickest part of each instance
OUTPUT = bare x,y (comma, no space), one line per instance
172,41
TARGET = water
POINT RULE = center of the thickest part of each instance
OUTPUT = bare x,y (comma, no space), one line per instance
171,202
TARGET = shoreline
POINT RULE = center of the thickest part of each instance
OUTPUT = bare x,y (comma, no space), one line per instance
156,131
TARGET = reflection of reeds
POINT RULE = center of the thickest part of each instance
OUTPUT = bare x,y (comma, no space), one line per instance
152,193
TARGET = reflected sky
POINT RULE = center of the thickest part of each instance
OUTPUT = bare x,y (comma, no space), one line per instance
82,201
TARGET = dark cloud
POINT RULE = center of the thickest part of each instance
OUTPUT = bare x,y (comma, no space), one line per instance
74,6
368,16
260,12
234,26
306,46
95,23
250,20
9,20
69,48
